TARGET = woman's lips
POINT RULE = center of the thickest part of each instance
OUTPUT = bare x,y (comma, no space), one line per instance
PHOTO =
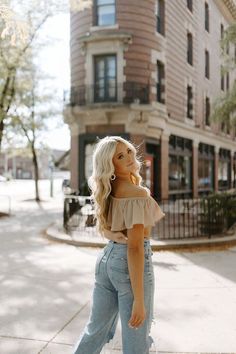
130,164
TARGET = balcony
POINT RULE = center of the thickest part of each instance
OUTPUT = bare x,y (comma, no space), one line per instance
129,92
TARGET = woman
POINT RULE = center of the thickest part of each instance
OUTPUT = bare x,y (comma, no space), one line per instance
124,277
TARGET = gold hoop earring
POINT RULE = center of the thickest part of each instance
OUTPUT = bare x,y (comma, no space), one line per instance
113,177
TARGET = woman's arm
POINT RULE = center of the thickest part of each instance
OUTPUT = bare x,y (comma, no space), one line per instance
135,256
117,236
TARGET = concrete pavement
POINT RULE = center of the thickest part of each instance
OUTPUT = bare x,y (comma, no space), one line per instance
46,290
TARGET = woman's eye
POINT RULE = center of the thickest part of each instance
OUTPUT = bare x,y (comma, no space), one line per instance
129,151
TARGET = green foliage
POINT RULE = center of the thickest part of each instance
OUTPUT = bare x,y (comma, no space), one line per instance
224,106
218,212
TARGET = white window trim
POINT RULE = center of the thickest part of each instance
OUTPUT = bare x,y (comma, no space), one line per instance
105,47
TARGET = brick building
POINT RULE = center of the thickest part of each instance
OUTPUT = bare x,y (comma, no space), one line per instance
149,71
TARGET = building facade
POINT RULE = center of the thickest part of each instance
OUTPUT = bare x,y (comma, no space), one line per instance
149,71
17,163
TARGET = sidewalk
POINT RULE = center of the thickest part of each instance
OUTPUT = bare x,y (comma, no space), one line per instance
46,290
195,292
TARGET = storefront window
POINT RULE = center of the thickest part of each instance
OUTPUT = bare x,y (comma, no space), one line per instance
224,170
205,167
205,174
180,165
179,172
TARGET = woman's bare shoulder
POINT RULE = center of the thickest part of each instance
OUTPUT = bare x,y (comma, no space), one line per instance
127,191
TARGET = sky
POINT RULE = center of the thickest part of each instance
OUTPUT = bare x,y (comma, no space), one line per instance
54,60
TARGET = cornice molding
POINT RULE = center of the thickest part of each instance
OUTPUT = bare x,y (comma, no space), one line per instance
106,35
228,8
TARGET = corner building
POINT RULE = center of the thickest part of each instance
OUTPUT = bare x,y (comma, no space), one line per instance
149,71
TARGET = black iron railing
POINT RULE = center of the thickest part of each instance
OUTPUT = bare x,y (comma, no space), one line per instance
129,92
184,218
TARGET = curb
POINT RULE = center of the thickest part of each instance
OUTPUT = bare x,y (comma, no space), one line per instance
55,233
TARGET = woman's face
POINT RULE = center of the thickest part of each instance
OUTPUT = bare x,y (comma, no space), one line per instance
124,160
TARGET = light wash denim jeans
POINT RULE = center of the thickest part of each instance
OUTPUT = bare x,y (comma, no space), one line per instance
113,297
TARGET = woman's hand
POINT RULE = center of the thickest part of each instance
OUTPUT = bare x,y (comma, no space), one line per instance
138,314
120,237
116,236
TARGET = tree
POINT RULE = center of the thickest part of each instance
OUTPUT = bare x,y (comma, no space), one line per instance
13,58
224,106
13,28
30,113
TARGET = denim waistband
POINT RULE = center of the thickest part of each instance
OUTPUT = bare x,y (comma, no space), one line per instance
122,247
146,242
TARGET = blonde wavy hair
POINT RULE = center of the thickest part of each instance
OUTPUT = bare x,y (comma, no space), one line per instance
100,181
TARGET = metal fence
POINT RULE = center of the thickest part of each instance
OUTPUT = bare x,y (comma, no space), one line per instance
129,92
184,218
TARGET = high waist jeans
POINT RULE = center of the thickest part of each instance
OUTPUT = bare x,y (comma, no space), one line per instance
113,296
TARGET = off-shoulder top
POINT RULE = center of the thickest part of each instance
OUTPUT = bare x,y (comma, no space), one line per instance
123,213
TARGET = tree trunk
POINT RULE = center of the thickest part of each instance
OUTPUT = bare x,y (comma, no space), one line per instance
36,173
1,132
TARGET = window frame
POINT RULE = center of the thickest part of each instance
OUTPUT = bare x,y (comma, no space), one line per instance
190,48
227,81
190,5
207,110
106,97
207,17
207,64
159,86
96,6
222,79
160,17
189,104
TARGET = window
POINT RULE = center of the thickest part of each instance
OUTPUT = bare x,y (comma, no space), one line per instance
207,111
227,48
222,35
228,127
180,165
224,169
160,15
105,86
105,12
207,64
189,102
227,81
190,48
190,5
222,79
160,82
179,173
205,167
206,16
221,31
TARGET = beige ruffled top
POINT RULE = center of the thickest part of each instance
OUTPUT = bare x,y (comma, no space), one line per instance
123,213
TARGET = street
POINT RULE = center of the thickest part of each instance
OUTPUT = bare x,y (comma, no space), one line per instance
46,288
